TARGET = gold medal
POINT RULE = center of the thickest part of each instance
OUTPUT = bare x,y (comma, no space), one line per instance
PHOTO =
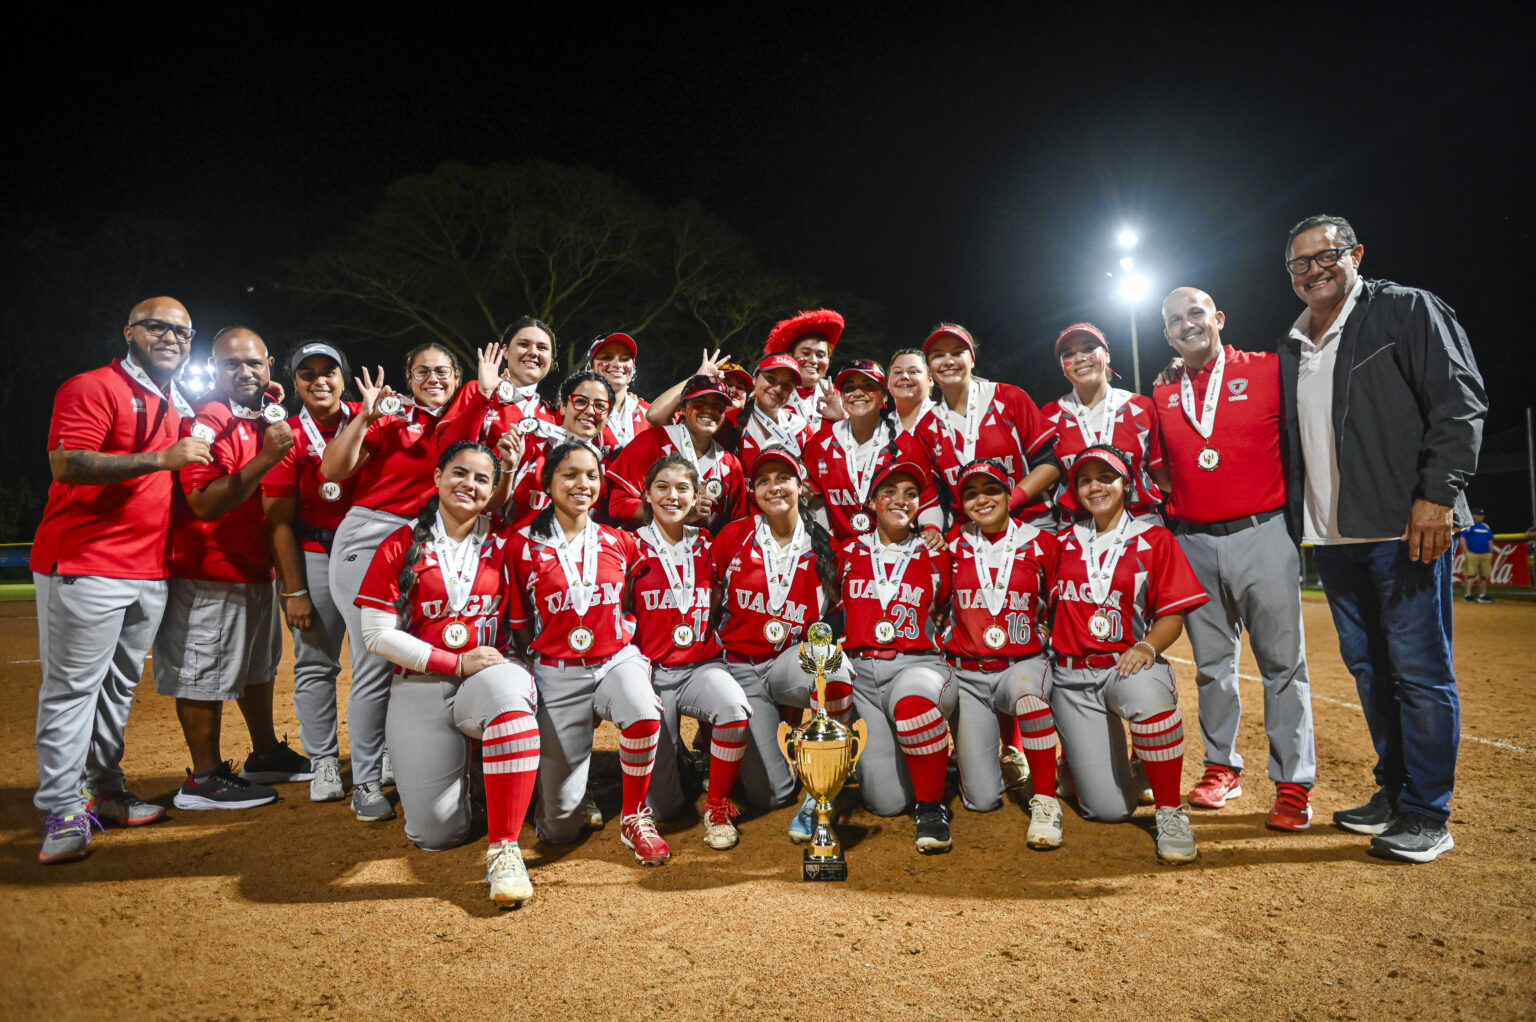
1098,625
330,490
859,521
1208,458
775,631
885,632
580,638
682,636
455,635
996,637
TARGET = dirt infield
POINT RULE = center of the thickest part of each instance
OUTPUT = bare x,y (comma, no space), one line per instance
296,910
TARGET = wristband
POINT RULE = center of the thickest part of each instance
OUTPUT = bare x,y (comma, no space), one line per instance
296,592
1144,642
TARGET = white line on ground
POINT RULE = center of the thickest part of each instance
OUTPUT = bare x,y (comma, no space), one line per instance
1355,706
23,661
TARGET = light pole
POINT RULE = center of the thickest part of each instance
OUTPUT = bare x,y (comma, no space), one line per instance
1133,288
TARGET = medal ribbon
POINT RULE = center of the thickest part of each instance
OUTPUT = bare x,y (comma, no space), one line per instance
1082,413
975,409
1101,564
317,443
679,571
994,586
861,470
887,586
1207,420
138,375
775,435
582,589
922,410
622,419
683,441
457,561
781,563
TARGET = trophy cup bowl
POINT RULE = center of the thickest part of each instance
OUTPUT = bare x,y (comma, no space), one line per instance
823,753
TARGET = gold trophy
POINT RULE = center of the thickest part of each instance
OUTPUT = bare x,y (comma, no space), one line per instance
823,753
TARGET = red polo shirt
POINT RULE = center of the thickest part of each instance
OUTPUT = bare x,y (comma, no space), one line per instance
1249,479
232,547
319,503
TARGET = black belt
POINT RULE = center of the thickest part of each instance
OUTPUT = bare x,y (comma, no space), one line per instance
325,537
1226,528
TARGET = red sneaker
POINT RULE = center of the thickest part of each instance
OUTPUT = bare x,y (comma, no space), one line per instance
1293,808
639,835
1219,784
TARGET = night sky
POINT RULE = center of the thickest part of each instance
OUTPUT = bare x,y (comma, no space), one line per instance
950,163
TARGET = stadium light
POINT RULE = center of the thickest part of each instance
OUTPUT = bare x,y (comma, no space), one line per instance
1127,238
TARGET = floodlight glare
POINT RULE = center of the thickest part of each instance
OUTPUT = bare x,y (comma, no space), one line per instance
1127,263
1127,238
1134,287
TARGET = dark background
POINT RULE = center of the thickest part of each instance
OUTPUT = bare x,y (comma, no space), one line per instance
962,163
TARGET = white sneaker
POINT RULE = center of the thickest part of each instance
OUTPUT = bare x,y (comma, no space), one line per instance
1044,823
1175,837
1139,783
1015,768
507,875
591,814
387,770
326,785
719,832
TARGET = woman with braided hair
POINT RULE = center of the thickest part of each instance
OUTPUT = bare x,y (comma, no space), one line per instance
437,602
776,574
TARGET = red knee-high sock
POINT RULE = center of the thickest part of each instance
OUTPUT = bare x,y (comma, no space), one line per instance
1159,744
637,754
839,700
727,744
510,748
923,735
1008,728
1037,740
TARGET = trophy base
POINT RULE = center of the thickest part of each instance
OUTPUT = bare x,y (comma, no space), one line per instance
823,869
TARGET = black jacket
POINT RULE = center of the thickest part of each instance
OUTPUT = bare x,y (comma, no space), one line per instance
1408,410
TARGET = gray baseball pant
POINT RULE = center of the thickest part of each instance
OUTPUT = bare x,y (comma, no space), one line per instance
1253,579
878,685
432,726
707,693
317,661
1089,705
357,540
92,636
980,697
572,698
766,777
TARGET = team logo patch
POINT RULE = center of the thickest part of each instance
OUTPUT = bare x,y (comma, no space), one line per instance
1237,386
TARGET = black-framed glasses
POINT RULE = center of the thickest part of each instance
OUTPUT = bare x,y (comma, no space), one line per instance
581,403
159,328
1324,259
424,373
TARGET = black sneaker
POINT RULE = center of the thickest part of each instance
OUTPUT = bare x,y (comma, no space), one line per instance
1485,598
277,765
932,827
1372,818
223,790
1468,598
1413,838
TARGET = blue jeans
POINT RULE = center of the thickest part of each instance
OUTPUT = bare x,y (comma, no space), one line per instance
1393,616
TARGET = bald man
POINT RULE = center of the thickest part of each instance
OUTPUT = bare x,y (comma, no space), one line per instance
1219,421
220,638
99,563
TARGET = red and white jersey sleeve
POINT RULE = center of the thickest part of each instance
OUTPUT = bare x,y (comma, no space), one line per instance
1134,432
826,461
474,417
924,585
657,613
751,437
627,469
232,547
1022,615
320,504
1012,431
746,621
402,453
119,530
547,593
493,607
1151,579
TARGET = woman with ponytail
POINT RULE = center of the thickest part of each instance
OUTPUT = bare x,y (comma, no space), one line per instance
775,575
438,603
576,577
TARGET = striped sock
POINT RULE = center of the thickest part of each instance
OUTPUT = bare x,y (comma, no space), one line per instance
1159,744
839,700
510,749
923,735
727,744
1037,740
637,754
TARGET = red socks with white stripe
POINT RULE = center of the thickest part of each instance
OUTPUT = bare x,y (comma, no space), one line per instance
510,750
923,735
1159,744
727,744
839,700
1037,740
637,754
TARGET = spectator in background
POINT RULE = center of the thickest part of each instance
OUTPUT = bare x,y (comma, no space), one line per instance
1477,557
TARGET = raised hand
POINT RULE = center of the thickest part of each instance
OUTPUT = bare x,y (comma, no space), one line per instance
490,359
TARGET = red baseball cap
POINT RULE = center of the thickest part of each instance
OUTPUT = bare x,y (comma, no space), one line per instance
776,453
863,366
985,467
786,333
1114,457
910,468
730,369
701,386
602,339
1087,330
779,361
950,330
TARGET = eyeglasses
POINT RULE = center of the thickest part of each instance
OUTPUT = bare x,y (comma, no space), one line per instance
581,403
159,328
1324,259
423,373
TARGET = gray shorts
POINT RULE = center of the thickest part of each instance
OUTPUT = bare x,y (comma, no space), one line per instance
216,638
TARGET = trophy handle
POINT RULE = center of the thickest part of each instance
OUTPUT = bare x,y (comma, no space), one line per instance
787,741
860,732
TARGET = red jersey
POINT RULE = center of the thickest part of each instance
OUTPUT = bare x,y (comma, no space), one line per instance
1007,427
627,470
402,452
560,630
232,547
120,530
1249,478
627,420
528,496
1152,578
319,503
791,431
660,620
1133,430
473,416
1017,629
750,626
827,463
900,624
494,604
